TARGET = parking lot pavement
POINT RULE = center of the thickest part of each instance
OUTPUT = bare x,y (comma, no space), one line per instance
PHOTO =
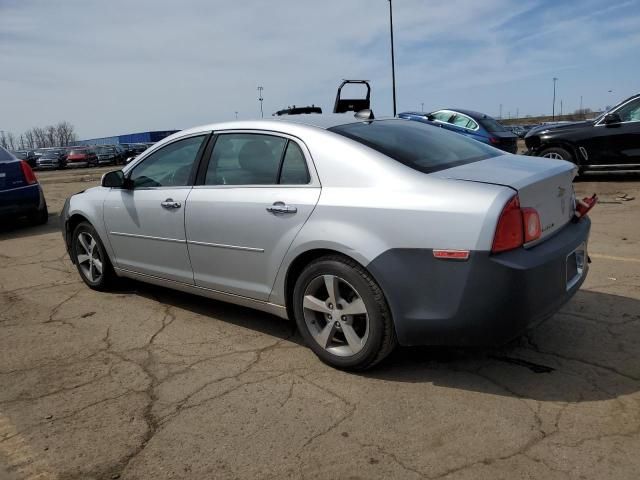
149,383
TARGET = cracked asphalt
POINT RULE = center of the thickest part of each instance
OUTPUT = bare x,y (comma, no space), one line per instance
147,383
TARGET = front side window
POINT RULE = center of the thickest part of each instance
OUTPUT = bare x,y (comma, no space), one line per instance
245,159
170,166
420,146
630,112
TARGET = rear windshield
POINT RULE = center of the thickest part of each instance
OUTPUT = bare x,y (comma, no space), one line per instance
5,156
420,146
492,125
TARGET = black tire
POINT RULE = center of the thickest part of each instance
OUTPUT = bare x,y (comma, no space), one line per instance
555,152
40,217
381,338
107,277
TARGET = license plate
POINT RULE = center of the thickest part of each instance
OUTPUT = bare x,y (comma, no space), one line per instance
575,265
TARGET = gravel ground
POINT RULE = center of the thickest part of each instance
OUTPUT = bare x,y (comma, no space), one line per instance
146,383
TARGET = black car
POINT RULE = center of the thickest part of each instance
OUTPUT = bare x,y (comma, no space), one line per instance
611,142
52,158
27,155
107,155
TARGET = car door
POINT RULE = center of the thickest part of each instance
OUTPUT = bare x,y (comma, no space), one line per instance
613,145
145,221
257,191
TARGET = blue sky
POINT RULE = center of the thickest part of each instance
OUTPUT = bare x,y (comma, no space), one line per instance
119,66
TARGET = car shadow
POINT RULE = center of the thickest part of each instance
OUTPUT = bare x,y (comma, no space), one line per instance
589,351
20,227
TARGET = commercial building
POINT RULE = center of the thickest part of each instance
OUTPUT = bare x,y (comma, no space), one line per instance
142,137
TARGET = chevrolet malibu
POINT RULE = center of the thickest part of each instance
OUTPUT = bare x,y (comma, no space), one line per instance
368,233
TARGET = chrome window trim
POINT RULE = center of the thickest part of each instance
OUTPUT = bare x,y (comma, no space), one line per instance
147,237
621,123
313,173
223,245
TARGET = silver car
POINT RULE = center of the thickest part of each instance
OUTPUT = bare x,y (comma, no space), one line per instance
367,233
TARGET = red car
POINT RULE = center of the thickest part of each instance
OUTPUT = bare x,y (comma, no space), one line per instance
82,157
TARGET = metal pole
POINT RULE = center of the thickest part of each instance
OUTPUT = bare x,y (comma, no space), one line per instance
581,112
560,108
517,112
393,60
500,117
553,109
422,107
236,115
260,89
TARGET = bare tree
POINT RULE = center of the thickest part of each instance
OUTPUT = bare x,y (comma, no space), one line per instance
40,136
51,133
65,134
30,140
11,141
3,139
23,142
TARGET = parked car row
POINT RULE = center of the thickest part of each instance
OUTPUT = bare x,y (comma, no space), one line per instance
80,155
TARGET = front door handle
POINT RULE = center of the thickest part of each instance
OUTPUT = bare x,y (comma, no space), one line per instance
281,208
169,203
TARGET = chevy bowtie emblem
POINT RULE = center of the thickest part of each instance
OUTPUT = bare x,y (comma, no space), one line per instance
561,191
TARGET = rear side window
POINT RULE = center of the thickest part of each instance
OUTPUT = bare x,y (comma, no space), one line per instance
294,166
5,156
245,159
420,146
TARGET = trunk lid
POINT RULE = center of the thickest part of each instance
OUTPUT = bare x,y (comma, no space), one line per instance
541,183
11,175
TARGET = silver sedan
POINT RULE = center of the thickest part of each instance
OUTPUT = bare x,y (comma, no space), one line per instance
367,233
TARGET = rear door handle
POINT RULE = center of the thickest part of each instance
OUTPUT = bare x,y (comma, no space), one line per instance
281,208
169,203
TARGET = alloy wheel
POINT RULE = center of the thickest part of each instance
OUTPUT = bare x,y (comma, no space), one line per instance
554,155
336,315
88,257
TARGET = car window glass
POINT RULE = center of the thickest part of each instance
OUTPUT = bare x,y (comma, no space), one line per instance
170,166
630,112
418,145
492,125
442,116
472,125
461,121
245,159
294,166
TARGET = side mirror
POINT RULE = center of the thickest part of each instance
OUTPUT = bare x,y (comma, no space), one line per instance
114,179
612,118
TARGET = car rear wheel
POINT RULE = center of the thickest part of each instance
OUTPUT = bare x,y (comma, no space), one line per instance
40,217
342,314
91,258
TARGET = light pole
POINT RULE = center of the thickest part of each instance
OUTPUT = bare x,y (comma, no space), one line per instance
236,115
422,107
500,116
260,89
560,108
393,60
581,112
553,109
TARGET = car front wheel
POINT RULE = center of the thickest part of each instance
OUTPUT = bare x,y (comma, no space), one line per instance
557,153
342,314
91,258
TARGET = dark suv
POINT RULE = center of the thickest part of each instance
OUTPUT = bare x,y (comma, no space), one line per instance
611,142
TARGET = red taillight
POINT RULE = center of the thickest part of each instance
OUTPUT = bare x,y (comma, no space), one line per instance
29,176
451,254
532,228
494,140
509,232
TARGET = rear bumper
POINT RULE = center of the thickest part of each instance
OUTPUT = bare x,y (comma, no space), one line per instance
20,201
487,300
